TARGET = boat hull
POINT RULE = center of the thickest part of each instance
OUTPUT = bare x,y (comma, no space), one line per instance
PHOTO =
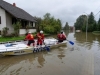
28,50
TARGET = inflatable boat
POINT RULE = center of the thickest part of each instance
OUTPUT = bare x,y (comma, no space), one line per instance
20,47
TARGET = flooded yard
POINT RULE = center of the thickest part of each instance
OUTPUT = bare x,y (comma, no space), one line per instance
82,58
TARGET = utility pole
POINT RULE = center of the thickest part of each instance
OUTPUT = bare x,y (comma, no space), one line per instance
86,25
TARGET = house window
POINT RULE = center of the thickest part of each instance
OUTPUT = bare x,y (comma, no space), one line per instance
0,19
14,20
23,24
32,24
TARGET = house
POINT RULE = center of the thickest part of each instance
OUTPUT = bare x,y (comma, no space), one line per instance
10,14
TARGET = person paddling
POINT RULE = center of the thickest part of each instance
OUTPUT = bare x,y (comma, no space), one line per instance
30,38
61,37
40,38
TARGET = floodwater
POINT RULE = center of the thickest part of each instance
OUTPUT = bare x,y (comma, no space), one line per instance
82,58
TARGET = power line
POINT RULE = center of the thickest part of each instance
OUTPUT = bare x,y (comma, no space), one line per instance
97,13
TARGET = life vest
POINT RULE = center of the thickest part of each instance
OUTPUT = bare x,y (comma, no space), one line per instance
30,37
40,36
61,36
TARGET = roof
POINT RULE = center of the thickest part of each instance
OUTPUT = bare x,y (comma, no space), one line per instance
16,12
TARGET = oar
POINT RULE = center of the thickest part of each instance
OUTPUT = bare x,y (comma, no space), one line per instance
72,43
47,48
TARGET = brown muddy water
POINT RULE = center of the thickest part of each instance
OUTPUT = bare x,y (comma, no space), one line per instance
83,58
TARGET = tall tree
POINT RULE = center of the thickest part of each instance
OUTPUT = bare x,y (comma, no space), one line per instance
50,24
91,22
80,22
38,23
66,27
98,25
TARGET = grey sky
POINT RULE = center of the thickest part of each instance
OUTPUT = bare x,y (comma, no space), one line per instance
65,10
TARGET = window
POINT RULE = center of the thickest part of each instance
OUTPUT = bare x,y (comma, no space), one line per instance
14,20
0,19
32,24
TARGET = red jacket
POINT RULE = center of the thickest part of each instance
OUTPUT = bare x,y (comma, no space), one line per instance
40,36
61,36
29,37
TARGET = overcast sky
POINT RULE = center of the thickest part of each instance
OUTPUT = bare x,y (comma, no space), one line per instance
65,10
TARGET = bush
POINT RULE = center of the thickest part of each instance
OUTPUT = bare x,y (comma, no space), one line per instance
49,29
5,31
96,31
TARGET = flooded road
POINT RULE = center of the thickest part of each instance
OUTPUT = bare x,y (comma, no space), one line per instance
82,58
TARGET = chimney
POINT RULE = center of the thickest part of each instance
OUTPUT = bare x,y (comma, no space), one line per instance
14,4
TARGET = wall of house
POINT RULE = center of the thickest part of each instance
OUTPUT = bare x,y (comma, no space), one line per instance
23,31
9,23
3,18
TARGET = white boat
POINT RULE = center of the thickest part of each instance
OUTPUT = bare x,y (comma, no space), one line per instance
19,48
78,30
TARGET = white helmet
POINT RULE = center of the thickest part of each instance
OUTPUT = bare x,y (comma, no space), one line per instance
29,32
41,31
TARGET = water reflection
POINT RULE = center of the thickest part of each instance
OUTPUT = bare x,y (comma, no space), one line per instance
61,53
88,43
9,63
40,59
81,37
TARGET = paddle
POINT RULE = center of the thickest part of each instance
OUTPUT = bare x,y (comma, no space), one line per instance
46,47
72,43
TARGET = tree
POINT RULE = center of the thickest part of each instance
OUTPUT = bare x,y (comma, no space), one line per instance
17,26
86,20
66,27
98,25
80,22
38,23
50,25
91,22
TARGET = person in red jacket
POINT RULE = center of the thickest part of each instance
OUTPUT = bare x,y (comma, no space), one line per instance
40,38
30,38
61,37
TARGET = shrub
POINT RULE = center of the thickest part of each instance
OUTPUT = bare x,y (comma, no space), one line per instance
5,31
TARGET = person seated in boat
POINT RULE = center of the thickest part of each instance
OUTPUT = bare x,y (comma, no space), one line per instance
30,38
61,37
40,38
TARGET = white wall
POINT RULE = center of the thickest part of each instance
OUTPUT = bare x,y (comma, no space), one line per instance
3,18
23,31
9,23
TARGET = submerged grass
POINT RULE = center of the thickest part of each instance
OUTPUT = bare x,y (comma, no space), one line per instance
96,32
5,39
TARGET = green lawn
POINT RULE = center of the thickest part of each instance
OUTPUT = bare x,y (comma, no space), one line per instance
5,39
96,32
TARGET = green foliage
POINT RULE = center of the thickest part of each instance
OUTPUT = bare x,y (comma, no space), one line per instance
98,26
96,31
5,31
66,27
38,23
49,29
91,22
49,24
5,39
27,29
17,26
81,20
88,21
